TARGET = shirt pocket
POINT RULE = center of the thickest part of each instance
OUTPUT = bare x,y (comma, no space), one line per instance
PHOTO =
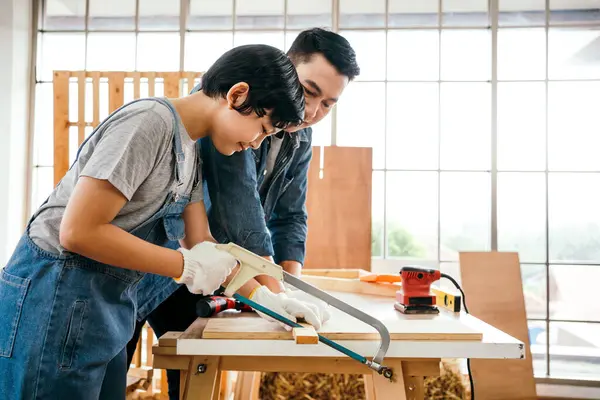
174,227
13,290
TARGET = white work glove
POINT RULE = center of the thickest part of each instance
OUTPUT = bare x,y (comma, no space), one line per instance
286,307
205,268
323,308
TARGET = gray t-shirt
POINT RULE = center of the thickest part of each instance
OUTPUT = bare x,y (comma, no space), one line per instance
134,152
271,158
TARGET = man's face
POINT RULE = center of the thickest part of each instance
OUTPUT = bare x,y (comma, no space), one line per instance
323,86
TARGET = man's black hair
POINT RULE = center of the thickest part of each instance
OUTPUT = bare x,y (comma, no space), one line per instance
335,48
274,83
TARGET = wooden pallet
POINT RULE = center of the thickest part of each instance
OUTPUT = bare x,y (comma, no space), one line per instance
105,91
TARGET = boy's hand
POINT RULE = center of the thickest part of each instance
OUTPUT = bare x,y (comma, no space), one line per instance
205,268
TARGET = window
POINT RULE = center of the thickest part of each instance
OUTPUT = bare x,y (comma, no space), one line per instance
426,102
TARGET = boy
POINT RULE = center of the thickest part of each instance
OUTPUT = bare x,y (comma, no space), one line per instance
69,290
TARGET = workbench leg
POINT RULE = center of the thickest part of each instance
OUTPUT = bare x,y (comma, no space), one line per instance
415,388
248,385
182,378
395,390
369,387
218,385
201,379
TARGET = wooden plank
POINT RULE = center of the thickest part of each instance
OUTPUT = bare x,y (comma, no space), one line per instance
200,386
352,286
136,85
341,326
80,107
166,351
172,85
151,83
306,335
339,208
217,389
494,293
391,390
196,329
164,385
116,81
260,329
190,81
144,372
170,362
369,387
96,95
169,339
335,273
149,344
341,365
60,86
248,385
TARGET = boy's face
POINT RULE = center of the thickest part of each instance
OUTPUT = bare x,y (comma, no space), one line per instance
232,131
323,86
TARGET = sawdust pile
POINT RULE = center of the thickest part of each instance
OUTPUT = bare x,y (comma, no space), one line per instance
307,386
450,385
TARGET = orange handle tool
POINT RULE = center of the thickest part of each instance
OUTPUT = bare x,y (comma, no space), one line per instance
381,278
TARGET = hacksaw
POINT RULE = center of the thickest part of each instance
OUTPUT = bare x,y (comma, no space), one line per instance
252,265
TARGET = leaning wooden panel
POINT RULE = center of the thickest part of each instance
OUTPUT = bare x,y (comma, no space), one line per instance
494,293
339,208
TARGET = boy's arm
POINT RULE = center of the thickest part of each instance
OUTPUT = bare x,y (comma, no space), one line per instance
86,229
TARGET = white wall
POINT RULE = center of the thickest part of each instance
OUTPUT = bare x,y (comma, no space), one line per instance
15,50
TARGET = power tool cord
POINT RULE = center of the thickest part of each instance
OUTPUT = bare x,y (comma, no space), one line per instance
451,279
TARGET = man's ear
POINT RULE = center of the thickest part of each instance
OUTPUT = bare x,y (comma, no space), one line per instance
237,94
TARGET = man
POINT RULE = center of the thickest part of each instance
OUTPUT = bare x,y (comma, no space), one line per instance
263,209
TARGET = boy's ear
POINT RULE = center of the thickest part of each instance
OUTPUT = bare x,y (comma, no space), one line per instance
237,94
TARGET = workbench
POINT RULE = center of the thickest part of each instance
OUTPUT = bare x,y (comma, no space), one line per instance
235,341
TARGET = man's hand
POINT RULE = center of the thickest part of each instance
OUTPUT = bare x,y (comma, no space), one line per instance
286,307
323,308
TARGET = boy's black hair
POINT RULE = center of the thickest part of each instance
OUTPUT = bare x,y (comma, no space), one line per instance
274,83
334,47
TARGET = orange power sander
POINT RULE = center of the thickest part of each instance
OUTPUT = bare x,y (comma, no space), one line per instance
415,295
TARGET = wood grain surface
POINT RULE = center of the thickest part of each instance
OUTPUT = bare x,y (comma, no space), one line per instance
341,326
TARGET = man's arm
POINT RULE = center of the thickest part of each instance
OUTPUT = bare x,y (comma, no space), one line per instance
288,224
236,208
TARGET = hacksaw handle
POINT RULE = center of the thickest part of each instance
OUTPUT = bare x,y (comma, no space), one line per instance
251,265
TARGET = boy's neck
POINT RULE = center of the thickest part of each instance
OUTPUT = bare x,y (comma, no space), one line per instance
196,112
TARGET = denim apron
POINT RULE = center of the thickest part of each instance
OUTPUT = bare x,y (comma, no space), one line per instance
65,319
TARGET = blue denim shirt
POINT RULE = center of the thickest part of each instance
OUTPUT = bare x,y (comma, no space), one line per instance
272,222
